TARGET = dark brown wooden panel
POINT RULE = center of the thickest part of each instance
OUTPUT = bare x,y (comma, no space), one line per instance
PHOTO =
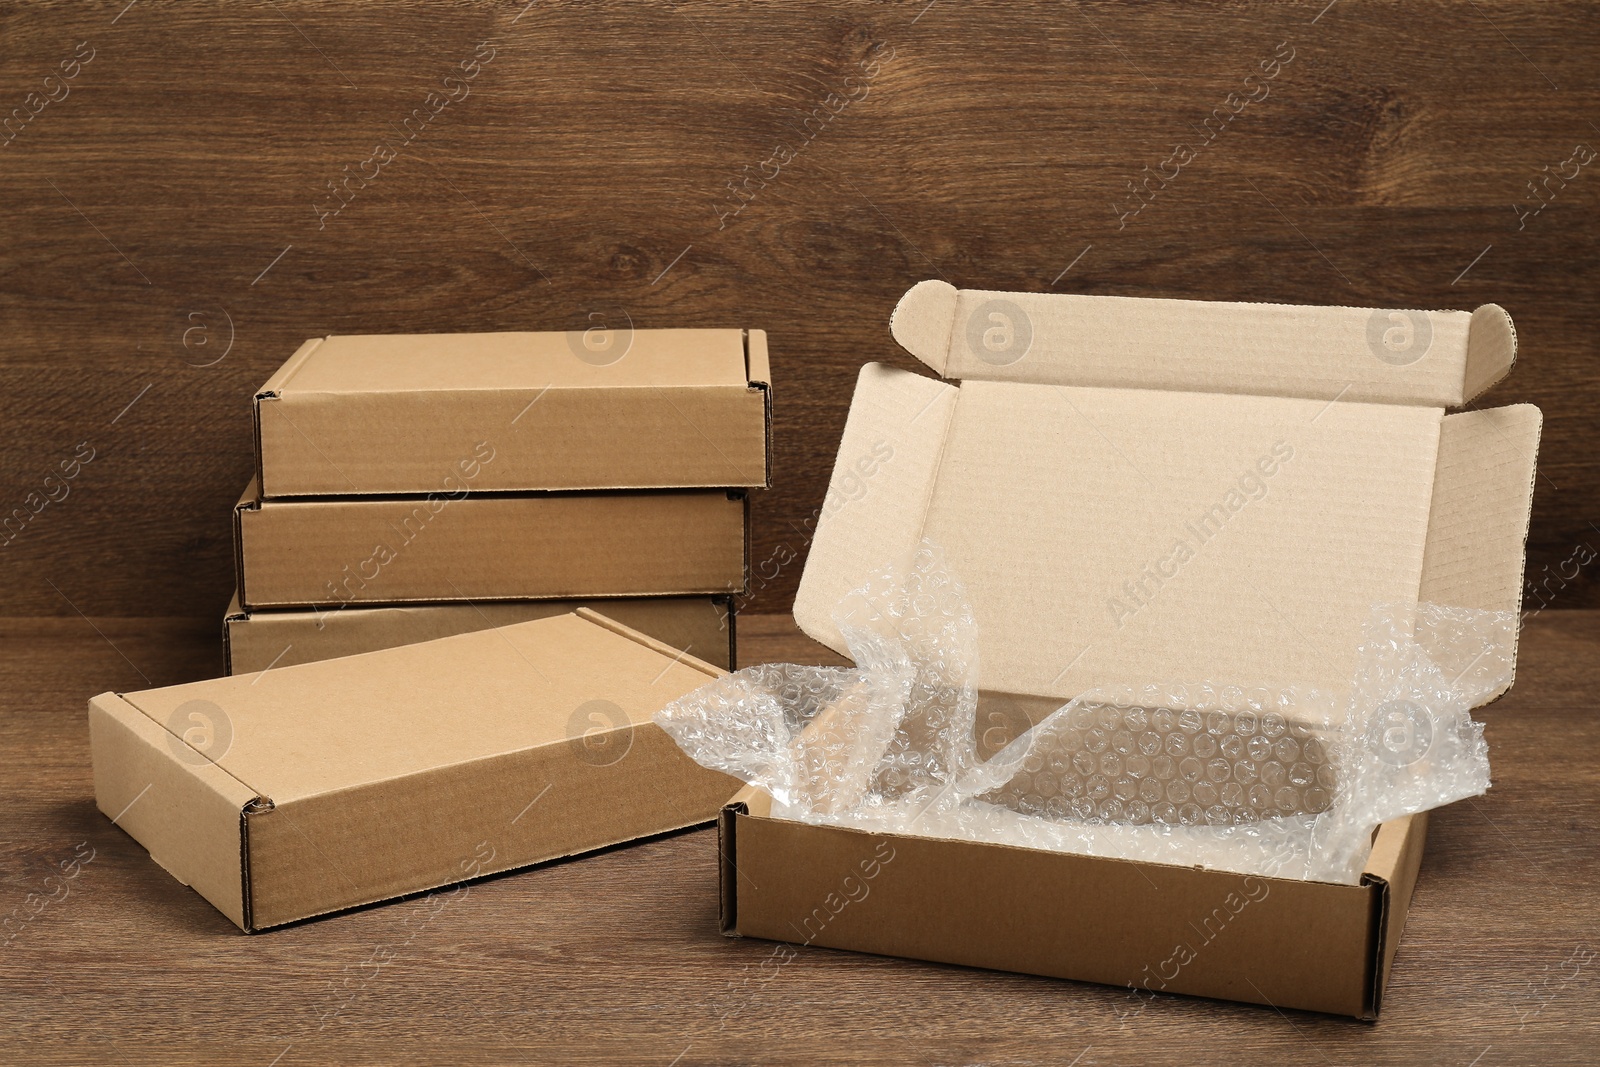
171,196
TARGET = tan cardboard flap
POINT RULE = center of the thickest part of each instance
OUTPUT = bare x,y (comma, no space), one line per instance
180,806
1441,358
490,547
617,409
701,626
1111,536
1482,496
878,496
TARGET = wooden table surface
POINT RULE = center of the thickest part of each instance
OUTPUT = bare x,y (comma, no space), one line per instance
615,957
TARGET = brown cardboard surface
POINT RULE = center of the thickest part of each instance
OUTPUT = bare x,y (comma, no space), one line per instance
325,785
1144,926
701,626
489,547
1114,535
619,409
185,811
1320,947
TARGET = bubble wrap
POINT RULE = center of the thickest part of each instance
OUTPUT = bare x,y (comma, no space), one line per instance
1289,782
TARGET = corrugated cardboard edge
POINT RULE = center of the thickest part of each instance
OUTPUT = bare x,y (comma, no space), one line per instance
730,614
758,372
728,855
188,814
273,389
234,614
921,322
924,320
1392,868
908,416
249,501
1491,350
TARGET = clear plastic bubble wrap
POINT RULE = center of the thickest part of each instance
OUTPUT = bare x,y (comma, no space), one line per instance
1289,782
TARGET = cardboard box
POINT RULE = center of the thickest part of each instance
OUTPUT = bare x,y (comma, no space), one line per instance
490,547
1149,927
701,626
1143,491
309,789
594,409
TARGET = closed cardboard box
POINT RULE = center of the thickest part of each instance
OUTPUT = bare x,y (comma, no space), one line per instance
489,547
592,409
1137,491
308,789
701,626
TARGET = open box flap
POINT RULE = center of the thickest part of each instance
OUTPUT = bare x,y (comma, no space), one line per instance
1115,536
1436,358
878,498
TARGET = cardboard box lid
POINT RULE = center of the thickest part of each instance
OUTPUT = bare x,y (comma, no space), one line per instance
399,414
1168,490
319,728
308,789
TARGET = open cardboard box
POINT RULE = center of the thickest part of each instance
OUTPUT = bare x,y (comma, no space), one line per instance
703,626
592,409
308,789
493,546
1141,491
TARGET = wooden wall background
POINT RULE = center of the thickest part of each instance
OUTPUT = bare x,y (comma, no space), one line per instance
161,250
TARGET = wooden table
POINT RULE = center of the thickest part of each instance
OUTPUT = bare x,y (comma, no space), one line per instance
615,958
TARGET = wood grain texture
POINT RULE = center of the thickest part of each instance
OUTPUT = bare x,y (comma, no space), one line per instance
161,244
615,958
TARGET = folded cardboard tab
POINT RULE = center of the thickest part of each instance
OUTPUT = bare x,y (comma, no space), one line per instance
595,409
701,626
308,789
1431,358
327,552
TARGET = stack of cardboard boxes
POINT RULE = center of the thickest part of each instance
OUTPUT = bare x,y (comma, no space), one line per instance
415,487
